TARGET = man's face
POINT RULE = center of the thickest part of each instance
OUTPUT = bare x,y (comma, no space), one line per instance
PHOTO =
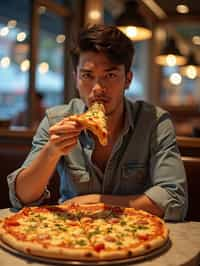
98,79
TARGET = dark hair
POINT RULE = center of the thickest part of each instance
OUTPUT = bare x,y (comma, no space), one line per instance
106,39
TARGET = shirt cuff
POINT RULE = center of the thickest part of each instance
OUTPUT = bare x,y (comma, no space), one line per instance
174,210
161,197
16,203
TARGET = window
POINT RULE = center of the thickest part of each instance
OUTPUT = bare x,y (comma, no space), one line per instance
14,51
138,86
50,65
31,55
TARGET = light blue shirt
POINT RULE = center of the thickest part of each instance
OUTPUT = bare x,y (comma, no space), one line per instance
144,160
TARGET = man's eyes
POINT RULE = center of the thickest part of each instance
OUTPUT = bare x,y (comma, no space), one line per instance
90,76
111,75
86,76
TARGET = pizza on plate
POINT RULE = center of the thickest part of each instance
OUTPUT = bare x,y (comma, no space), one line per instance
94,232
94,119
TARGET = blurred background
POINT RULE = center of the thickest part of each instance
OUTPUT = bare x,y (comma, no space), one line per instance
36,71
35,37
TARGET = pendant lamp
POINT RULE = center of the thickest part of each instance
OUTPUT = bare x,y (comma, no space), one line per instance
192,68
170,55
132,23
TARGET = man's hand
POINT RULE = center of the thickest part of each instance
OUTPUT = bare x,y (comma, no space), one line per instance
137,201
85,199
63,137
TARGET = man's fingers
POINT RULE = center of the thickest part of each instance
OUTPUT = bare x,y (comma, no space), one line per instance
70,126
63,137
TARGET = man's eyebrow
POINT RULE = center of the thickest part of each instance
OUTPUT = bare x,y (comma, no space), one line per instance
112,68
106,69
85,70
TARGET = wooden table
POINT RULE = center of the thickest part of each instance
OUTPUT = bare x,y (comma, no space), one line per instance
184,249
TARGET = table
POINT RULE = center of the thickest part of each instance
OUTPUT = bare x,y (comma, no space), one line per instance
184,249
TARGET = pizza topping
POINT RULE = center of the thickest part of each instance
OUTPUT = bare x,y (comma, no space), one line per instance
110,238
43,236
94,232
98,247
143,237
11,222
114,220
81,242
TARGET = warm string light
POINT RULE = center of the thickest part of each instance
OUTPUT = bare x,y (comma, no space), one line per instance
182,9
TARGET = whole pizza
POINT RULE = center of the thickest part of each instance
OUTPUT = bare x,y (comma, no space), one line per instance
93,232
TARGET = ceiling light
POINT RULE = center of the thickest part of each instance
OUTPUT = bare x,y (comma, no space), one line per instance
43,68
25,65
132,23
21,36
12,23
175,79
42,10
5,62
191,69
94,15
4,31
182,9
170,55
60,38
196,40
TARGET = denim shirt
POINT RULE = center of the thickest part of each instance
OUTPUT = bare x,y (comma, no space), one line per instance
144,160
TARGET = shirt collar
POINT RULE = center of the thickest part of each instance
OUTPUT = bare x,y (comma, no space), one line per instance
129,119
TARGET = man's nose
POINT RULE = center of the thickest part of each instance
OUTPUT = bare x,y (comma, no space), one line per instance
98,88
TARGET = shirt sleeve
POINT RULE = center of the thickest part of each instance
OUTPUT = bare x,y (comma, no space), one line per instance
169,190
39,140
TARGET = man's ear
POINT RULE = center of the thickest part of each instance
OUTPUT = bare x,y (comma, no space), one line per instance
129,76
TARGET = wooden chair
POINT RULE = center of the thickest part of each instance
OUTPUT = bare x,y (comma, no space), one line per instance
189,146
192,167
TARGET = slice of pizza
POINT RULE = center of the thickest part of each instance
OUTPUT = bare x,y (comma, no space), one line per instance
94,119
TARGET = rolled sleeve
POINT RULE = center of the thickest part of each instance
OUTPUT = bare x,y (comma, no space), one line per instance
169,190
15,201
173,210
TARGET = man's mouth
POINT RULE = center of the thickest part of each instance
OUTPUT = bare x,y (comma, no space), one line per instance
103,100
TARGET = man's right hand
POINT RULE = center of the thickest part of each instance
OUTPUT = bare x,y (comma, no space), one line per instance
63,136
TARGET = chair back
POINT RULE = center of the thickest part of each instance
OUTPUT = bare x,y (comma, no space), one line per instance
192,168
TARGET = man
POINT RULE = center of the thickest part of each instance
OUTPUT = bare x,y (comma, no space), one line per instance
140,167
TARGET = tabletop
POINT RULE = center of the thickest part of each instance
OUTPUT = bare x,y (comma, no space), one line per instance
184,249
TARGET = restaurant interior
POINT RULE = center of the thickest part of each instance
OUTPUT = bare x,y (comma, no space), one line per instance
35,39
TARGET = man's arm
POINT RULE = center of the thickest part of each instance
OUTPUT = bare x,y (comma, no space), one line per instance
31,181
137,202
